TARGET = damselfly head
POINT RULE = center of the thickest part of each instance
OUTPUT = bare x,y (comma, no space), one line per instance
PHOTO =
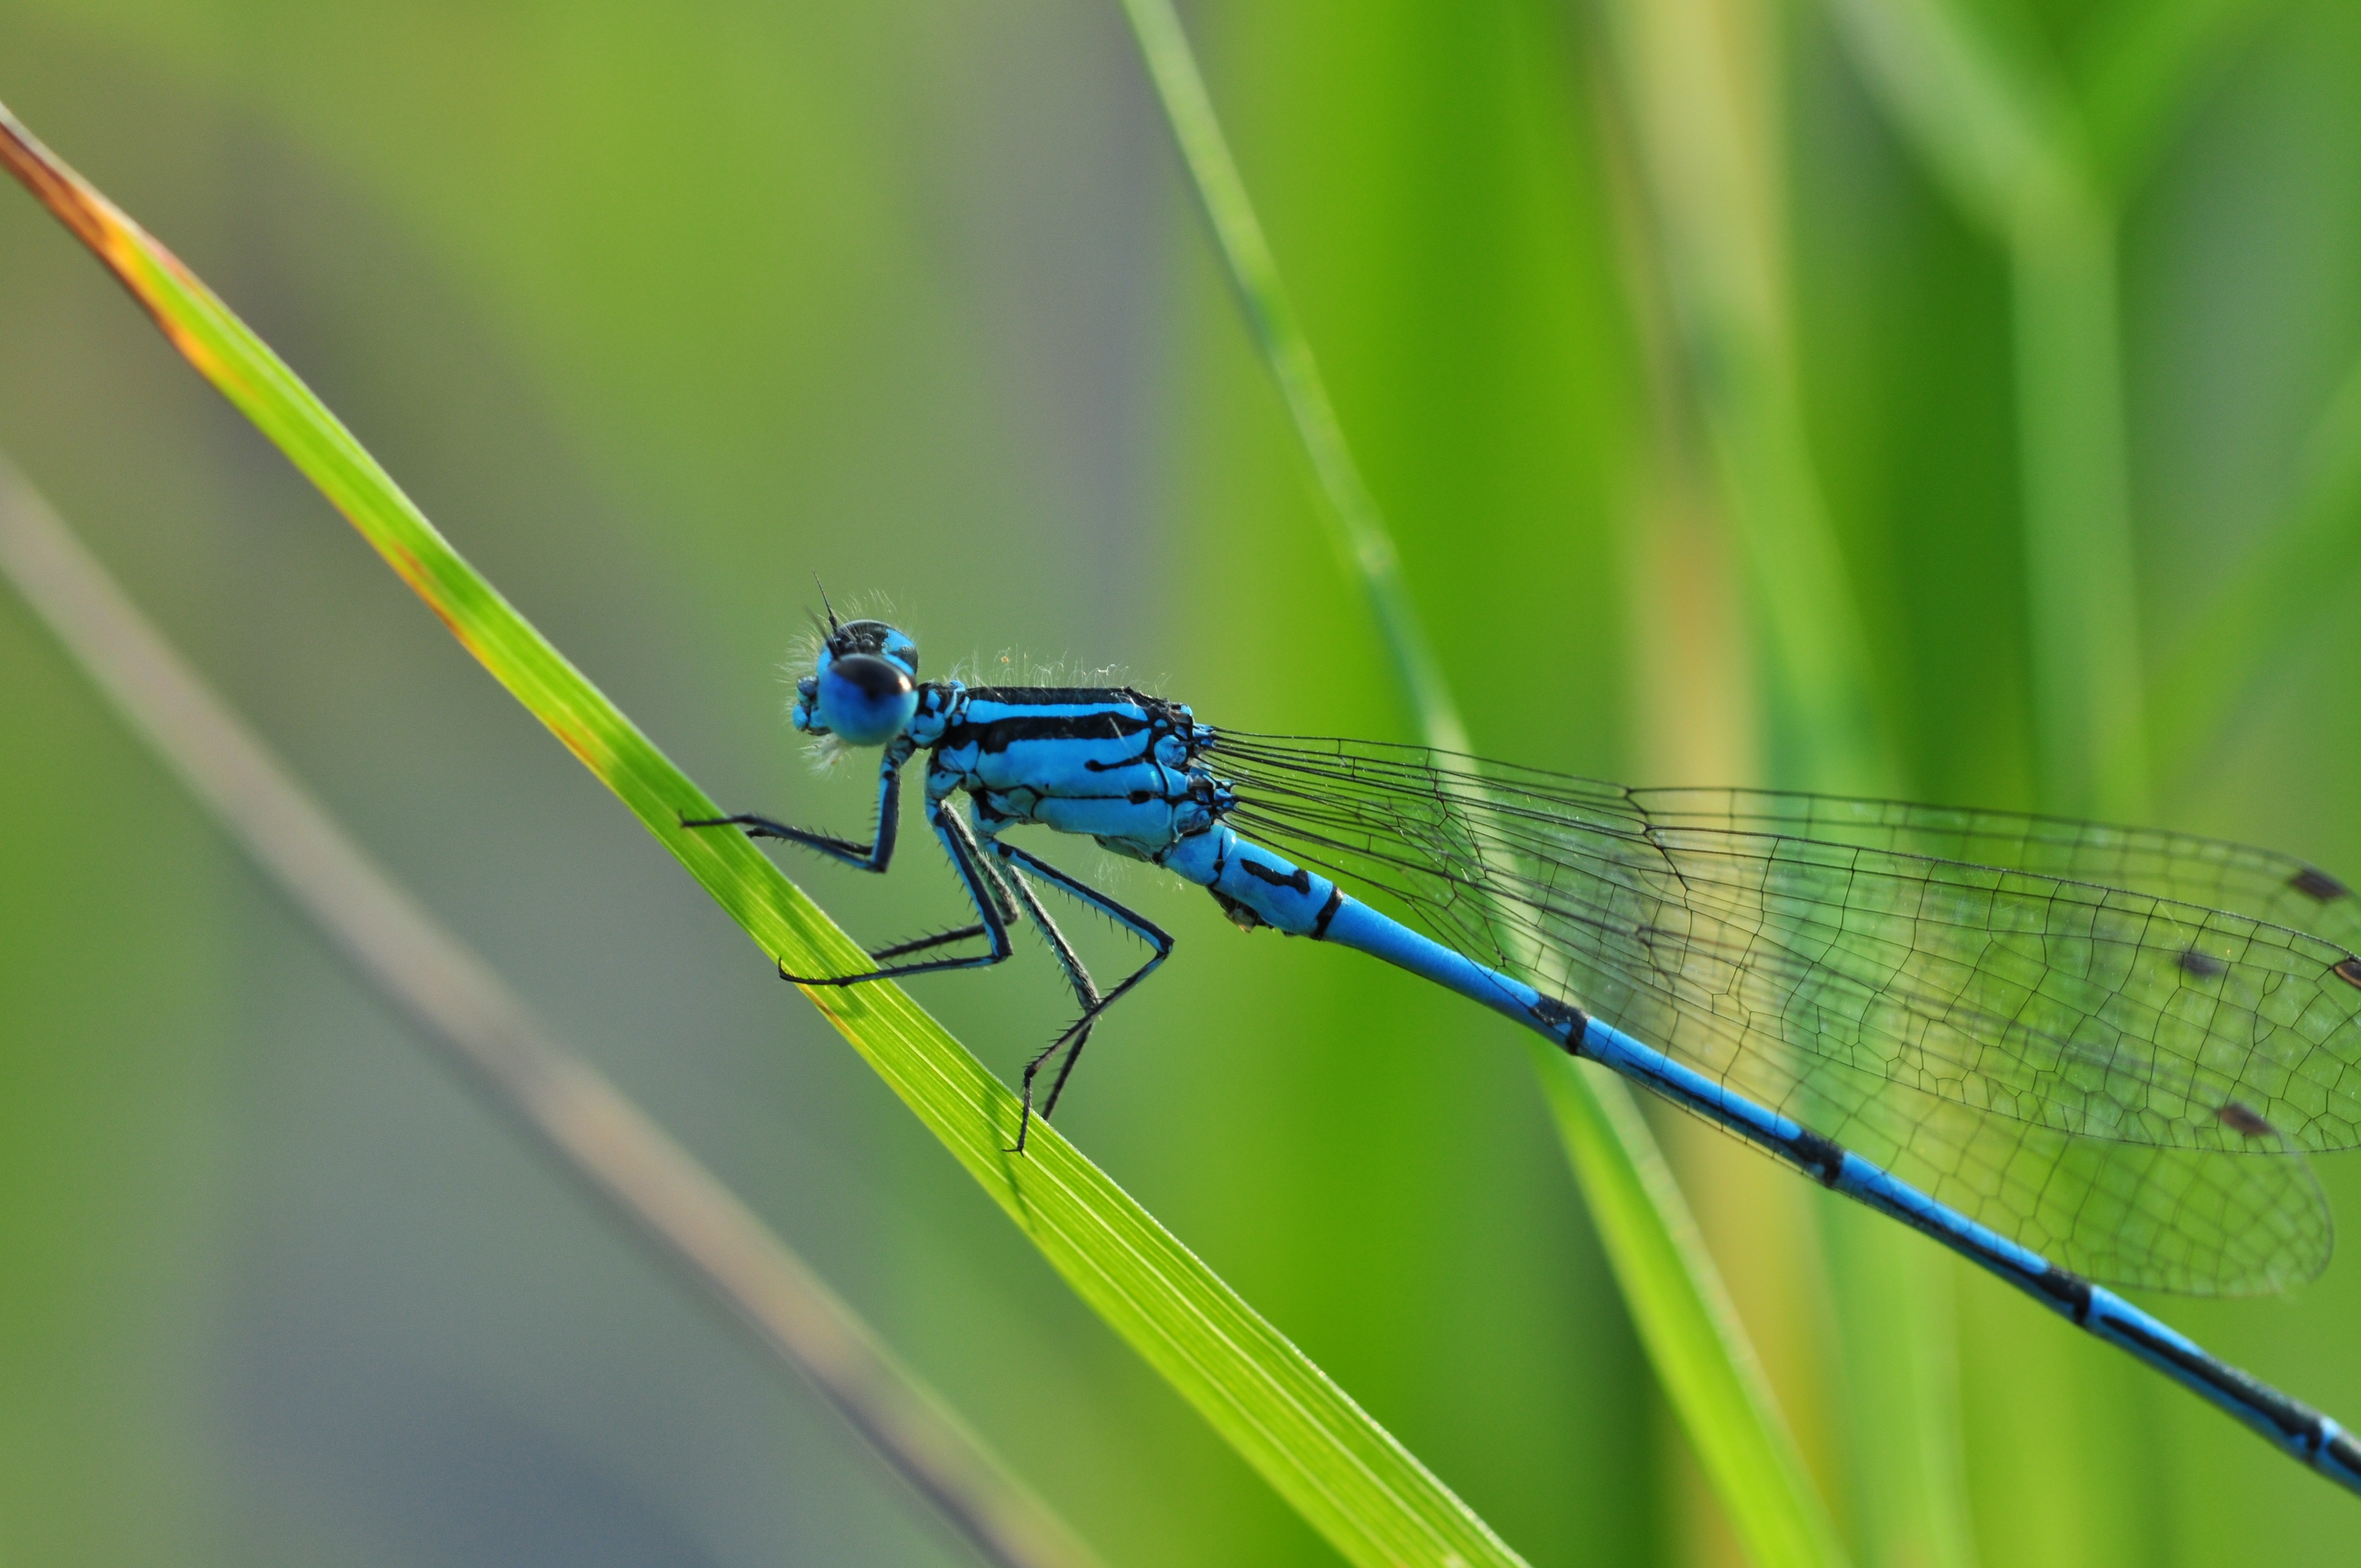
854,639
863,688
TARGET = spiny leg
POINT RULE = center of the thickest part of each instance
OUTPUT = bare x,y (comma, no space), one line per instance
877,856
874,856
984,890
1000,894
1086,993
1078,1034
920,945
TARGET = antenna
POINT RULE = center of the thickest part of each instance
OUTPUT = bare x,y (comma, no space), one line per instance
824,604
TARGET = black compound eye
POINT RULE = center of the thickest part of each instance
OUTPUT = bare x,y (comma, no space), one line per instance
872,677
874,637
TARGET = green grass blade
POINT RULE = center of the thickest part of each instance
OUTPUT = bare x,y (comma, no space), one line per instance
1695,79
1984,126
461,1006
1344,1473
1701,81
1668,1281
2081,570
2002,137
1357,528
1685,1316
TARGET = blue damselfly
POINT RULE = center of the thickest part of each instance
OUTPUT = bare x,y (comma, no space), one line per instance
2076,1054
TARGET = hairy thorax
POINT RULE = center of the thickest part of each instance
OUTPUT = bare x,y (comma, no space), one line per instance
1108,763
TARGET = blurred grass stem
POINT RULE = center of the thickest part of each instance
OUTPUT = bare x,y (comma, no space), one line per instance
2145,64
2082,572
1699,99
1701,87
1668,1280
1356,528
2005,143
593,1132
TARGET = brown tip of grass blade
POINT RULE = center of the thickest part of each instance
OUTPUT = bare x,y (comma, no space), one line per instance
126,249
89,215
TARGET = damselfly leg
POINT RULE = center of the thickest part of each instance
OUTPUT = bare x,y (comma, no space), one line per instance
998,893
1094,1005
874,856
920,944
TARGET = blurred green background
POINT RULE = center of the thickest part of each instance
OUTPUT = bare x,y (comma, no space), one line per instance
658,310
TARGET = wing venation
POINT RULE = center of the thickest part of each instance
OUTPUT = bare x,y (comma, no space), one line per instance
2112,1044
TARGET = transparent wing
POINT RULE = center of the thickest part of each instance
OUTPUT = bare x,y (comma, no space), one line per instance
2276,889
2110,1043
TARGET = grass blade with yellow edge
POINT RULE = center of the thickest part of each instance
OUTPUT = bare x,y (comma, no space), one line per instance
455,1002
1343,1472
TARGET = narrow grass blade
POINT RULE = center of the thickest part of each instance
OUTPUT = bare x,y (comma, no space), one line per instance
2003,139
1668,1280
1698,83
2081,570
1686,1319
1343,1472
1696,78
1987,131
595,1134
1356,527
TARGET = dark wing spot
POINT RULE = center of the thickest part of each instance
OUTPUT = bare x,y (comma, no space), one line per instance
2204,966
2349,971
2245,1122
2318,885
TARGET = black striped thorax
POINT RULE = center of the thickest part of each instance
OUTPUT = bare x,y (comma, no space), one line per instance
1109,762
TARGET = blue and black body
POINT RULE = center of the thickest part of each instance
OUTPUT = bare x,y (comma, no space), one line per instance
2061,1051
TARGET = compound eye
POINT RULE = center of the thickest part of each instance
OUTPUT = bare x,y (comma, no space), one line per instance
866,700
888,642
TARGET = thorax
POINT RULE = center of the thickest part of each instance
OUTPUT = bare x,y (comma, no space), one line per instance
1107,761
